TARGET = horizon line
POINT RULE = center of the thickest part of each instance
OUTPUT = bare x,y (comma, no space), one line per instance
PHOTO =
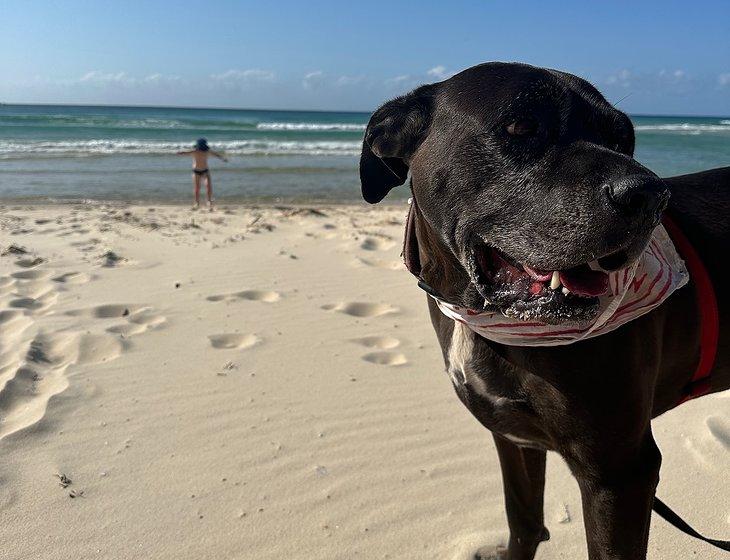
213,108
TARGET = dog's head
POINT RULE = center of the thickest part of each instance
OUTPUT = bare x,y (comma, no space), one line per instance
524,178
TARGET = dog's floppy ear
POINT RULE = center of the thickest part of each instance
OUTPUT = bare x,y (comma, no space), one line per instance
394,132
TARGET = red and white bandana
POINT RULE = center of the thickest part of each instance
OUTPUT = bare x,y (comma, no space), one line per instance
632,292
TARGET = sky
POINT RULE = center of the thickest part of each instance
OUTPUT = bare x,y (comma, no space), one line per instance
650,56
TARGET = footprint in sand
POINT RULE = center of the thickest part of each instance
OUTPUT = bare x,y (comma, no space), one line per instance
720,429
386,358
265,296
107,311
378,342
35,274
139,318
138,322
147,318
361,309
127,329
29,262
377,263
233,340
72,278
34,304
376,244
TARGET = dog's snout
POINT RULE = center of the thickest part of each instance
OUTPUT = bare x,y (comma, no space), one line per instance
638,196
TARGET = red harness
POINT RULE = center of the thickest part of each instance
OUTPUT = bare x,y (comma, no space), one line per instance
709,316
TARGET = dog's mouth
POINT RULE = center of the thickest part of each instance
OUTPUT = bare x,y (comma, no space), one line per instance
549,296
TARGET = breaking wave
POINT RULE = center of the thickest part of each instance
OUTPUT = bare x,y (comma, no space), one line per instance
14,149
685,128
307,126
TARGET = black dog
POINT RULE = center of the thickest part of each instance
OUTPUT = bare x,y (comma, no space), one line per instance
533,167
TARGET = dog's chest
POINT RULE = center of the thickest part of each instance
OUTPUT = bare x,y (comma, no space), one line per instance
500,409
462,367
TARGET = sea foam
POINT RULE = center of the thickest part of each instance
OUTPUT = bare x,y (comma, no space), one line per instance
14,149
686,128
350,127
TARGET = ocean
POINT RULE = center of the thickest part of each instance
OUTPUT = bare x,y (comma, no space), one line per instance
79,153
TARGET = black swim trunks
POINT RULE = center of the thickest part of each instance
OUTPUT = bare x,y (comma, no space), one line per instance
201,172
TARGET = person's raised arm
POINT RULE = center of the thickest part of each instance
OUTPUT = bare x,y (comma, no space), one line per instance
219,156
185,152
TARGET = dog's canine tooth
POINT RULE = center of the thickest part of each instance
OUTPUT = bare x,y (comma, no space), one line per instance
566,291
555,282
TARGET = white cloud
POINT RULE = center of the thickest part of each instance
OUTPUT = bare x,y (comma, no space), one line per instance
98,77
398,79
158,78
672,76
439,72
621,78
724,79
251,75
312,80
122,79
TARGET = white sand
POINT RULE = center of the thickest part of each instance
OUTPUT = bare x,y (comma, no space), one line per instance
287,400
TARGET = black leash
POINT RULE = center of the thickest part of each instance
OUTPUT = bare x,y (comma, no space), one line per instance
666,513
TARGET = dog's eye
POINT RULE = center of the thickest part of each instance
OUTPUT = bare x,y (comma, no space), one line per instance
522,127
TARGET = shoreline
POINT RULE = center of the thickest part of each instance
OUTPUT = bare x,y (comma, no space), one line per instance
296,203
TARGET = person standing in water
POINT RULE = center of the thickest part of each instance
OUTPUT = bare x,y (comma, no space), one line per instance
200,153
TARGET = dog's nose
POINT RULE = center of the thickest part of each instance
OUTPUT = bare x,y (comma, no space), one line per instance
638,195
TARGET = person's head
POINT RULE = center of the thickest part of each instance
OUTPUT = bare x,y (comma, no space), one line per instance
202,145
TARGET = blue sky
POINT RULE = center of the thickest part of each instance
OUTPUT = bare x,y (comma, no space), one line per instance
661,57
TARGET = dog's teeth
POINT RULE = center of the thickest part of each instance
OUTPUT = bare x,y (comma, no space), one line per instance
566,291
555,282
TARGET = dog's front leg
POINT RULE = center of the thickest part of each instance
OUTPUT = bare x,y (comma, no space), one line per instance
523,477
617,503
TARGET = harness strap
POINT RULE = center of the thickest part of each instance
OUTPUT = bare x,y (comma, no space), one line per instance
666,513
709,316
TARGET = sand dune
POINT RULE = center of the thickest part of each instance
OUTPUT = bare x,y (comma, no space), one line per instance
261,382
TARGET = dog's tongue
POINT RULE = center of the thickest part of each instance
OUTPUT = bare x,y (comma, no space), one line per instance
583,281
539,275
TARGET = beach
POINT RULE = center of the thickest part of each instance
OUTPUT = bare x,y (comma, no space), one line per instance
262,382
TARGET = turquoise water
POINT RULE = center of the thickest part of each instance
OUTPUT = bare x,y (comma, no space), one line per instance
127,153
